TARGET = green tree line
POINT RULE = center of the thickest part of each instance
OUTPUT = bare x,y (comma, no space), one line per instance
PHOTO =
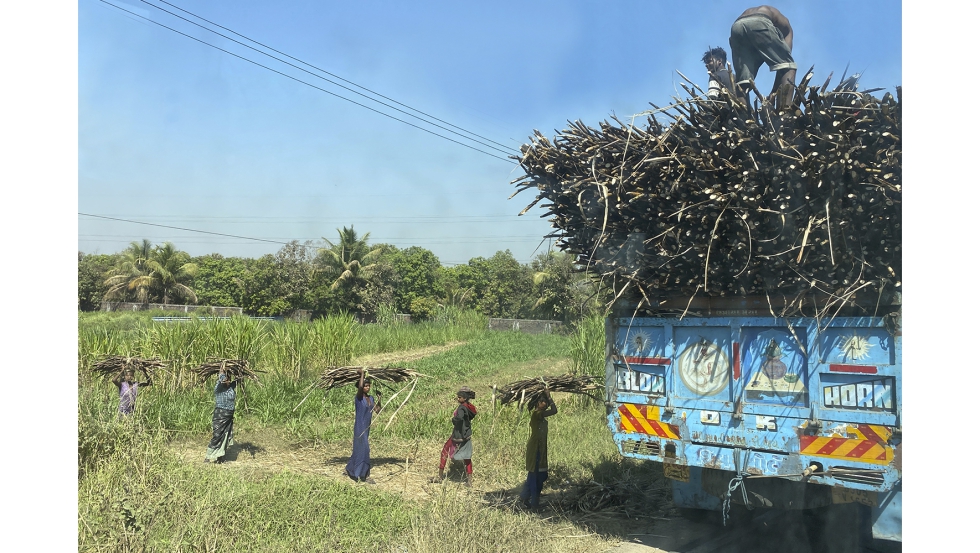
348,274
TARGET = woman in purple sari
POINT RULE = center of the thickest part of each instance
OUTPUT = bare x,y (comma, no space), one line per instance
365,406
128,387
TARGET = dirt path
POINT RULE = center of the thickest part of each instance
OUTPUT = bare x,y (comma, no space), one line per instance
398,466
268,451
379,359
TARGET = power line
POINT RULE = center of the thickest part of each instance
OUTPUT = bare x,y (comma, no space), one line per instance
333,75
306,83
279,242
185,229
507,151
276,220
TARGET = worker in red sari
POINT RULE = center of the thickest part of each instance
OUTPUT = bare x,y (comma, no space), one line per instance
459,446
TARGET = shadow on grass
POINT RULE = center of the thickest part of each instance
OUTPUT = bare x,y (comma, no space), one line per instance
621,495
248,447
375,461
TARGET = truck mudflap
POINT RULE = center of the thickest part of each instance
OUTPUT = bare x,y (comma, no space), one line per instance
697,488
886,517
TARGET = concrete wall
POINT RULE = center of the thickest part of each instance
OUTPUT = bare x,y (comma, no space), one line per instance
528,326
132,306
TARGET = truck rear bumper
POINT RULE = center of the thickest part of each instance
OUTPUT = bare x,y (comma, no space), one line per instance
681,455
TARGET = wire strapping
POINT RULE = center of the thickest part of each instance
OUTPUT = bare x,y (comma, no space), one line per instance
736,483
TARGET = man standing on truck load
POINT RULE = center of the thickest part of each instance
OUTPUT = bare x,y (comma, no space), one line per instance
763,34
718,76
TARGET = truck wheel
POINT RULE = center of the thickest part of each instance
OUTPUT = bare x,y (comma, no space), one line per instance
840,528
699,515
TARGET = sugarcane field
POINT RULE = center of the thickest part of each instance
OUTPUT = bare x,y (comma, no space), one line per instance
662,315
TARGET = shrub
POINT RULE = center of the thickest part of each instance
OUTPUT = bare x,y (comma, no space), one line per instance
423,309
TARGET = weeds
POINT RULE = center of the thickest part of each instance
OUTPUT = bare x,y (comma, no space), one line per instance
136,494
589,347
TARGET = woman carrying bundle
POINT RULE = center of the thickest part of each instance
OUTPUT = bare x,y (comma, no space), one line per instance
365,406
536,458
459,446
128,387
223,419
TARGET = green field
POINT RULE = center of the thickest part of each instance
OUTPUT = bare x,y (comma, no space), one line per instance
142,484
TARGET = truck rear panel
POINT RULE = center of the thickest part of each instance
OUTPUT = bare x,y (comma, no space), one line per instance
764,396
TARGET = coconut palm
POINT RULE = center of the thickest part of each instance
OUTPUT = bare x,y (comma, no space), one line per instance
145,272
170,268
131,275
349,263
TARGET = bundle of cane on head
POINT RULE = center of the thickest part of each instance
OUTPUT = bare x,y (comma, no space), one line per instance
115,365
528,391
335,377
234,369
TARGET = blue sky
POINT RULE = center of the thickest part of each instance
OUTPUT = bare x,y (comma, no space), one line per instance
174,132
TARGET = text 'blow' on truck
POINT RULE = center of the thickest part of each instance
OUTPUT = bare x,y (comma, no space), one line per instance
754,344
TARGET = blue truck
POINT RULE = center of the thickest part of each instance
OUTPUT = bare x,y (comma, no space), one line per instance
744,408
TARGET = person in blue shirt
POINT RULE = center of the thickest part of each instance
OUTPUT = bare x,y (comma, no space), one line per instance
223,420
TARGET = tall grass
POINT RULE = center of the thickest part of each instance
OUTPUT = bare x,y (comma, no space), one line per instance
136,494
338,338
238,337
292,349
288,349
182,345
588,350
461,326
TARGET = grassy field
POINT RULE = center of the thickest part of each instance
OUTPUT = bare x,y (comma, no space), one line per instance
142,484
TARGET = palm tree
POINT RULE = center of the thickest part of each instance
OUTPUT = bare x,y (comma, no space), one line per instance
350,262
169,269
149,273
131,273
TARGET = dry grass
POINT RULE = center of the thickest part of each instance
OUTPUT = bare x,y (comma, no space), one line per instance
381,359
284,489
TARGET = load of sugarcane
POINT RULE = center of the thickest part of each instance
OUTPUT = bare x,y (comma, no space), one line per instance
235,369
114,365
527,391
335,377
733,198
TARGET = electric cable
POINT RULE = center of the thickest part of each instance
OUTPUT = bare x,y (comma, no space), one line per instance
304,82
331,74
508,151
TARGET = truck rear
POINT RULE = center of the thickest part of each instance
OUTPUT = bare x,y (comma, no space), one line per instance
744,408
